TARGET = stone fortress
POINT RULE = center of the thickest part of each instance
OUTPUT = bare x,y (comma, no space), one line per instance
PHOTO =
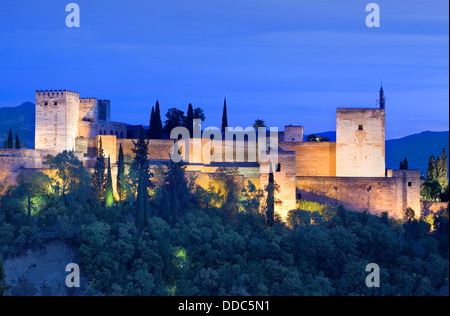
349,172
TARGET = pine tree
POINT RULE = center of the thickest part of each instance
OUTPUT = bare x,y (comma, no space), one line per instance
98,179
121,174
431,173
442,169
109,195
190,120
270,211
18,142
152,127
224,117
10,144
158,121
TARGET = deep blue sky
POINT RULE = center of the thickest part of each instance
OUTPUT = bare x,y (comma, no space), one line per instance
284,61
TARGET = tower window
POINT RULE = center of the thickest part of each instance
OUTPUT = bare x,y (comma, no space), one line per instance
360,127
45,103
279,167
55,103
410,184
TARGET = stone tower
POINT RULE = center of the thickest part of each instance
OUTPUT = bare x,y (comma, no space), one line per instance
360,142
57,114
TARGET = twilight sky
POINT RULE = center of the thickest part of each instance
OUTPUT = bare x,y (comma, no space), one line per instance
284,61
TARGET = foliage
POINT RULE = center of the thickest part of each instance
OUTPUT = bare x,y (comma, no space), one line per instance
219,243
175,118
318,139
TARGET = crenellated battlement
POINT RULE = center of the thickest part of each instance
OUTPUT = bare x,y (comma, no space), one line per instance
88,100
54,93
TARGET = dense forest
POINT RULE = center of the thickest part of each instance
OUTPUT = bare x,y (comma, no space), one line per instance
164,235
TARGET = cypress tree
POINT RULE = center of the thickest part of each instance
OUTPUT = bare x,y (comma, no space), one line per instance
190,120
158,121
10,143
405,164
18,142
109,195
431,173
224,117
401,165
442,169
270,189
141,174
98,179
121,174
151,129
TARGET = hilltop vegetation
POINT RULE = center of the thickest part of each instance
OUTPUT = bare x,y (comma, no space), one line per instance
179,239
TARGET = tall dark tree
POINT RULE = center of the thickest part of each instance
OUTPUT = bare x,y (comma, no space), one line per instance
431,172
404,164
158,121
109,194
141,174
98,178
10,143
442,169
224,116
190,120
175,118
199,114
152,126
121,174
18,146
177,187
270,211
3,286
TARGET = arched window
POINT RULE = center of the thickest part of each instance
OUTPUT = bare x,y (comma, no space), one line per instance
100,132
117,134
121,134
104,132
112,133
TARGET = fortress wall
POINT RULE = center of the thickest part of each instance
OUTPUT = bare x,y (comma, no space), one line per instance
312,158
360,143
286,180
14,160
385,195
88,109
158,149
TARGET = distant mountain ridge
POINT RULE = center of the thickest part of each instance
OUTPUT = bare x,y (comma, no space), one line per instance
21,120
417,148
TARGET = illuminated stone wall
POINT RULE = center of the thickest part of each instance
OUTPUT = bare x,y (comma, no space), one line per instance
312,158
376,195
57,114
360,143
